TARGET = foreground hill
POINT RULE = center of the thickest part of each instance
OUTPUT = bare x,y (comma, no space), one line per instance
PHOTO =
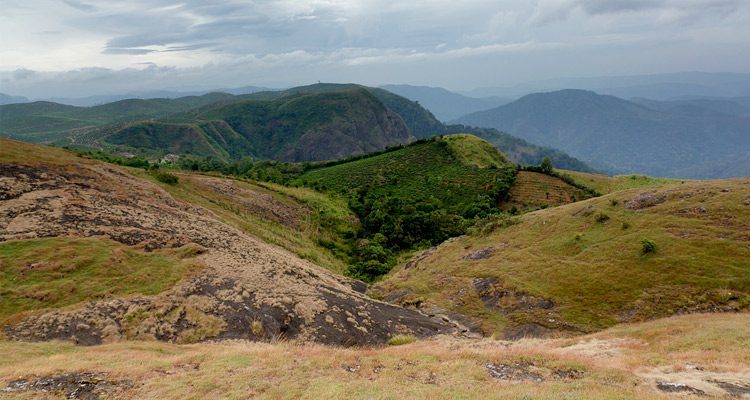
241,287
632,255
625,137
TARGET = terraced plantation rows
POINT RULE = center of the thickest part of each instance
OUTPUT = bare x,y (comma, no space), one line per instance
532,190
419,172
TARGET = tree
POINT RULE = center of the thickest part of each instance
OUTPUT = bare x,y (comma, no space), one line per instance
546,165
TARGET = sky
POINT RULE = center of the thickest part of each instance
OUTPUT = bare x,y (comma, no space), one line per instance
75,48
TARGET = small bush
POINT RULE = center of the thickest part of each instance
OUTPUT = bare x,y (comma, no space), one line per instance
491,223
375,295
257,328
602,217
648,246
614,202
412,301
398,340
625,225
166,177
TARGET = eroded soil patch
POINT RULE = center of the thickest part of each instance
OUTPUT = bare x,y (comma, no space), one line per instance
528,371
84,385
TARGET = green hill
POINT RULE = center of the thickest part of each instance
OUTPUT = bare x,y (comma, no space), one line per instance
46,123
418,195
632,255
453,170
257,126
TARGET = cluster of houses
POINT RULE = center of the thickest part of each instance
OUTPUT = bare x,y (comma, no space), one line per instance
169,158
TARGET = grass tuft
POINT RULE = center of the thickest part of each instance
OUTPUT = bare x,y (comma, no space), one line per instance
648,246
257,328
398,340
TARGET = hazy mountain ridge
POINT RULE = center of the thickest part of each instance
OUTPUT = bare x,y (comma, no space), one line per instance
445,105
730,106
8,99
670,86
623,136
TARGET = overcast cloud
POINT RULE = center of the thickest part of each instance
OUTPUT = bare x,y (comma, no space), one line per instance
77,48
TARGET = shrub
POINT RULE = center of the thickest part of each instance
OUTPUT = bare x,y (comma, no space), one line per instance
491,223
398,340
625,225
166,177
257,328
614,202
375,295
602,217
648,246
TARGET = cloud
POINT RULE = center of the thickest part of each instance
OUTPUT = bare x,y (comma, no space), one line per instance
673,11
23,74
229,43
80,6
129,51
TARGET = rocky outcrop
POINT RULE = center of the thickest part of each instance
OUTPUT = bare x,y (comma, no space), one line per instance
248,290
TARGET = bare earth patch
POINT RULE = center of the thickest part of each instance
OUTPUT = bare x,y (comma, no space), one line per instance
86,385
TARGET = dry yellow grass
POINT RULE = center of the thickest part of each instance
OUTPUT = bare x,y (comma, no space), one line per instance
586,258
609,184
620,363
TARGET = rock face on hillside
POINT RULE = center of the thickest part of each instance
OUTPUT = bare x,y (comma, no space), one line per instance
309,127
249,290
374,130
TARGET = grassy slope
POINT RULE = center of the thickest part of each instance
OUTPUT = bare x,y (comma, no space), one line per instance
474,152
591,265
610,184
418,171
329,216
68,271
53,273
615,363
44,122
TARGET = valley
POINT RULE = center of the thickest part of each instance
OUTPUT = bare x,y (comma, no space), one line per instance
239,294
262,263
391,200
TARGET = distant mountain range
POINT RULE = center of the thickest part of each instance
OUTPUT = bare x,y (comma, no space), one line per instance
8,99
674,86
89,101
690,139
737,106
315,122
446,105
